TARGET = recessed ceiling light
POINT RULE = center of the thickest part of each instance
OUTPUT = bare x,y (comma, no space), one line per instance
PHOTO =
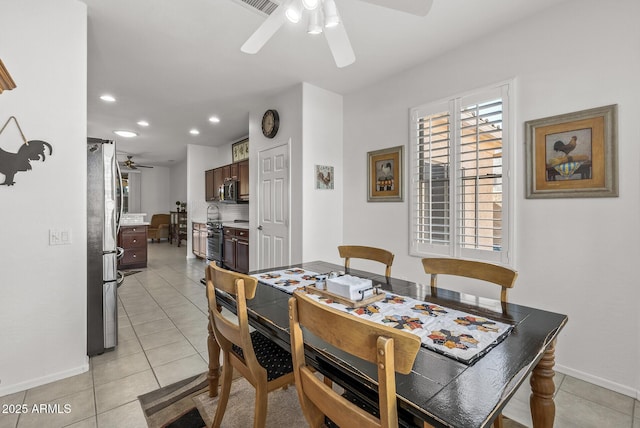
126,134
108,98
194,132
143,123
214,119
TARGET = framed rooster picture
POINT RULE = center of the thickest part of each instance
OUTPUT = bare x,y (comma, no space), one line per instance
573,155
324,177
384,170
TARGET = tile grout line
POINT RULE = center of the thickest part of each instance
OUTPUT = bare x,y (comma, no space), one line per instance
150,293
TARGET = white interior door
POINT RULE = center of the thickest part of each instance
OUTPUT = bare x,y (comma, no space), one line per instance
273,209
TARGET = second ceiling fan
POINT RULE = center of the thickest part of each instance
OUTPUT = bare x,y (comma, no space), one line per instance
129,163
323,17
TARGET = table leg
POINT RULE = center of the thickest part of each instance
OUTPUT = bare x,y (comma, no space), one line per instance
214,359
543,409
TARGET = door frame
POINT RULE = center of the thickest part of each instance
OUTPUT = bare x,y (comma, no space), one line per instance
255,242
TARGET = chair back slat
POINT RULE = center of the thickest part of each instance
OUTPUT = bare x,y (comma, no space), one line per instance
347,252
355,335
390,349
242,287
499,275
343,412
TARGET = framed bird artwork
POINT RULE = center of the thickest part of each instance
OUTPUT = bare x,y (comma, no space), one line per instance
384,170
573,155
324,177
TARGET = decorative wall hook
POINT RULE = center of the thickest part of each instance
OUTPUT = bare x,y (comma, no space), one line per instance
10,163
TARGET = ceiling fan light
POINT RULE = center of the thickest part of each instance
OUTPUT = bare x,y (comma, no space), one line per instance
310,4
331,18
294,11
315,26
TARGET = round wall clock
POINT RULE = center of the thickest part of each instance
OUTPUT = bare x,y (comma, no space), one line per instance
270,123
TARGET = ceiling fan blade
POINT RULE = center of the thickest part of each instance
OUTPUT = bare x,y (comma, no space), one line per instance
414,7
264,32
144,166
340,45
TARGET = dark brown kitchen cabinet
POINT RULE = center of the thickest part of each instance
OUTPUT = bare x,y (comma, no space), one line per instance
243,180
236,249
133,239
209,186
199,240
218,180
215,178
242,251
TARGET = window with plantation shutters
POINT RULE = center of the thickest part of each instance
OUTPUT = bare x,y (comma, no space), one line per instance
459,173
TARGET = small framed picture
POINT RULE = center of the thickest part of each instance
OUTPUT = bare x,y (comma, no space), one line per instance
324,177
384,170
240,150
573,155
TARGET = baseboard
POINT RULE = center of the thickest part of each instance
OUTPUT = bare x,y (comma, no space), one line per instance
32,383
613,386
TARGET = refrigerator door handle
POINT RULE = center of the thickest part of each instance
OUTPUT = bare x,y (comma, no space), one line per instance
120,211
119,252
120,279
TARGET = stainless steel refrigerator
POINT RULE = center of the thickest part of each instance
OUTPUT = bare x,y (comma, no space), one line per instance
103,215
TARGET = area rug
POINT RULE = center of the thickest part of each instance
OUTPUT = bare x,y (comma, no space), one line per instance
172,405
186,404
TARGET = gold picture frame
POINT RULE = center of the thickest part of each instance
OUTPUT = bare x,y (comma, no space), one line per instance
6,82
573,155
240,150
384,171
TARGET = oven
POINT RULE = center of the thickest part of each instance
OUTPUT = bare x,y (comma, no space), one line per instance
215,242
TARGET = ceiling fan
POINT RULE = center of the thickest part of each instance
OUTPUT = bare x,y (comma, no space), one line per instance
323,16
129,163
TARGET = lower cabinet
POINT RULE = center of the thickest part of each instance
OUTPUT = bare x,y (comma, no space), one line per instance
133,239
236,249
199,239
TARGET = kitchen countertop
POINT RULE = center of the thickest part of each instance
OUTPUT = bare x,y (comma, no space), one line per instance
240,225
129,224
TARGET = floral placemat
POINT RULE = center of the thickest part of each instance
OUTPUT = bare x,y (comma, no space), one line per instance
456,334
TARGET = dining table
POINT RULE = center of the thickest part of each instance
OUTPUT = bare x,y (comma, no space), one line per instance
441,390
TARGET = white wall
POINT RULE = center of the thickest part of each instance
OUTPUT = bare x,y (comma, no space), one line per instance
574,256
200,159
288,103
178,184
43,288
155,197
321,145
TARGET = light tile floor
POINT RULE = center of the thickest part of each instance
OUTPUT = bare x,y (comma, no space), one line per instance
162,339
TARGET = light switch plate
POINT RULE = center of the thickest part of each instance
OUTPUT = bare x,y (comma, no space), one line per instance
59,237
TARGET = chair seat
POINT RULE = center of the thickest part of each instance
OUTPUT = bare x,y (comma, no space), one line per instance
272,357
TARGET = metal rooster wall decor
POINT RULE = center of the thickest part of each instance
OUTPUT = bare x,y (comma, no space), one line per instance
11,163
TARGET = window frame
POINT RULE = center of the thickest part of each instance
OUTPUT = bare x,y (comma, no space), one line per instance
454,105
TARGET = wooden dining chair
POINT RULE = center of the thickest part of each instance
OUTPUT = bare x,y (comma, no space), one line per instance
347,252
391,350
502,276
262,362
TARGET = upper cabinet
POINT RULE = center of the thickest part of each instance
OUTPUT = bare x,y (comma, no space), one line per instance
215,178
209,185
243,179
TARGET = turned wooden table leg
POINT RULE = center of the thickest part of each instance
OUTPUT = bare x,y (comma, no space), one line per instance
214,359
543,409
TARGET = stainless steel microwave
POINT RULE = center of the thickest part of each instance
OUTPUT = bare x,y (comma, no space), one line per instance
230,192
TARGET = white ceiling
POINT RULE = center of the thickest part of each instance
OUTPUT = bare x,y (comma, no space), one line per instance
176,63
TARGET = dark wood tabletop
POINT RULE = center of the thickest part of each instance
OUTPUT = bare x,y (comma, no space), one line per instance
440,391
